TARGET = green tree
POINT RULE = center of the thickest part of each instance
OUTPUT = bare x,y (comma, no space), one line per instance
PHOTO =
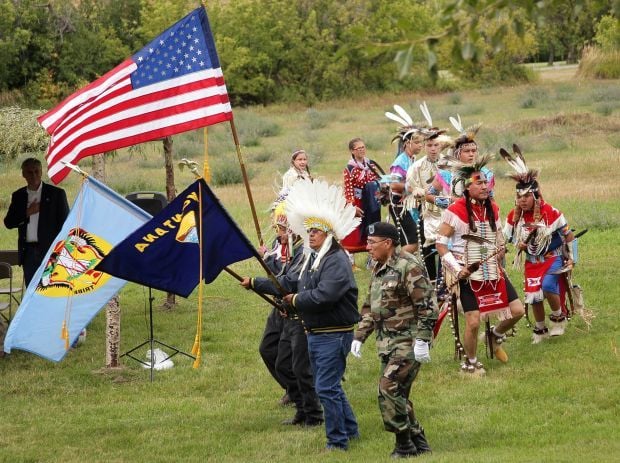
568,25
316,49
24,41
89,52
608,33
462,23
495,61
158,15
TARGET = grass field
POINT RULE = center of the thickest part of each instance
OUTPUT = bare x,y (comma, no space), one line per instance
553,402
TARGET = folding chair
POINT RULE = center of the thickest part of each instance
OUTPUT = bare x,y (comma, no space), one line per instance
150,201
9,287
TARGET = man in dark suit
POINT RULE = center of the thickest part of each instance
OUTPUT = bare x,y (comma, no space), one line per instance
38,211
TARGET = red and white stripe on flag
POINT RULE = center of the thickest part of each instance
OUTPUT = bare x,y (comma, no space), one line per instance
172,85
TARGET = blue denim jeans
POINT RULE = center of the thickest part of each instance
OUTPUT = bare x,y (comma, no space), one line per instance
328,356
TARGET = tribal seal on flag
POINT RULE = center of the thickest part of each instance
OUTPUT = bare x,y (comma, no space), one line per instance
69,269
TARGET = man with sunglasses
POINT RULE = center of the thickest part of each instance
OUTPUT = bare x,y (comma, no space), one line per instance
401,309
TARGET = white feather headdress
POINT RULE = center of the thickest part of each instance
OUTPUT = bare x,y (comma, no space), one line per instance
432,132
407,127
466,135
316,204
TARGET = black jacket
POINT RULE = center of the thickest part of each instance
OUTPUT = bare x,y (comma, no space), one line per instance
52,214
266,286
326,298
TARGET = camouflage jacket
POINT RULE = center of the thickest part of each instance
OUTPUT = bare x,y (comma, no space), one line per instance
400,306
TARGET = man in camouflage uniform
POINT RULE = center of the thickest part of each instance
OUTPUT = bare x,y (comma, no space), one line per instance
402,310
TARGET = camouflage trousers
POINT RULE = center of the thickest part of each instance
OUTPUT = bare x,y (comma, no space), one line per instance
397,376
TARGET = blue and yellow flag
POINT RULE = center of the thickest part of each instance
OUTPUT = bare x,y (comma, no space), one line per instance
164,253
67,291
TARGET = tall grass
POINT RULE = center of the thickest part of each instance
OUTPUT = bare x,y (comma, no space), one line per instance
599,64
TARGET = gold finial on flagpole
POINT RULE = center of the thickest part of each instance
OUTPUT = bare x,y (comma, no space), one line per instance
75,168
191,165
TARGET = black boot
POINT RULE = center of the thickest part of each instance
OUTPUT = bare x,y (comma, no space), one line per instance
298,420
419,440
404,446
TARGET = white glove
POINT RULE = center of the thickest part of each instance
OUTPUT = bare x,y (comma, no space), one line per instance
421,351
356,348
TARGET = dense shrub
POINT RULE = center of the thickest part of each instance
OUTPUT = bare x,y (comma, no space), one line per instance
319,119
21,135
252,127
264,156
608,33
455,98
228,173
311,51
481,63
533,97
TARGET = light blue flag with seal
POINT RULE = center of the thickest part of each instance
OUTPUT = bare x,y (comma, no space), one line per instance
67,292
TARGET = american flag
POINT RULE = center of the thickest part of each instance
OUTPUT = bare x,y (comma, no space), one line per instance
172,85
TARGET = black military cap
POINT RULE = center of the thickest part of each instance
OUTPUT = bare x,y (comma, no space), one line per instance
384,230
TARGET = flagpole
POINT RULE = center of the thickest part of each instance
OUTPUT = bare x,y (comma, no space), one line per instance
246,181
238,277
206,170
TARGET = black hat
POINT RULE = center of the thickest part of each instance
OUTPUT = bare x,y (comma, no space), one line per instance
384,230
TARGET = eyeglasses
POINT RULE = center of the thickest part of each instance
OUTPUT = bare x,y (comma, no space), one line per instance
372,243
359,148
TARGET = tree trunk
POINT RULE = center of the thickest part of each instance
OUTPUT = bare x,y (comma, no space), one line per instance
113,333
99,167
113,309
551,57
171,193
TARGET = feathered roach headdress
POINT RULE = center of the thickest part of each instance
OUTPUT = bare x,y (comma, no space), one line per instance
279,213
464,174
466,136
527,179
407,129
431,132
527,182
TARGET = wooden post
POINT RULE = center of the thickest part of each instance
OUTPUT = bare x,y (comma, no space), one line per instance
171,193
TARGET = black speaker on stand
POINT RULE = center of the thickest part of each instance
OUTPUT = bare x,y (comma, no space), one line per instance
152,202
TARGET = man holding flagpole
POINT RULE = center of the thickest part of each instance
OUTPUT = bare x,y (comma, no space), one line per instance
292,364
324,294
